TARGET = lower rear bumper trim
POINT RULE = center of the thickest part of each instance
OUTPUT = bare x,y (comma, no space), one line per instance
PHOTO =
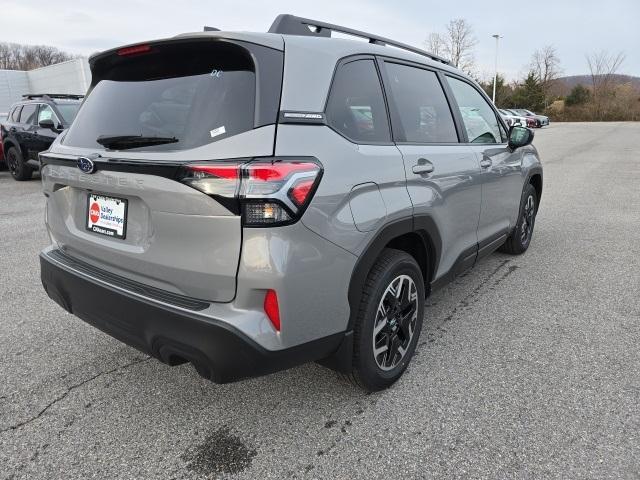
217,350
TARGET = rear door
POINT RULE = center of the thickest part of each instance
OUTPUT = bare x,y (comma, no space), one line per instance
132,216
10,126
442,173
25,130
501,167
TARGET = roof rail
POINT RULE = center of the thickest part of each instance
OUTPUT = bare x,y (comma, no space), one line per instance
291,25
31,96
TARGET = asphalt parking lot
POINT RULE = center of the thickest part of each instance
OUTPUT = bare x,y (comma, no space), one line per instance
528,367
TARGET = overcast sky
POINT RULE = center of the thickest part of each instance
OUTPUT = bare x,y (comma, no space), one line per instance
574,27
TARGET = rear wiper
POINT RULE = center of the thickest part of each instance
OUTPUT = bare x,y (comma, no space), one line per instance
123,142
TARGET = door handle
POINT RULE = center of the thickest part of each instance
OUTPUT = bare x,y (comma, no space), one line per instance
486,163
423,166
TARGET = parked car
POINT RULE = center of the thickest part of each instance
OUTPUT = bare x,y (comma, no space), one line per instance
528,121
511,119
183,225
3,117
540,120
31,127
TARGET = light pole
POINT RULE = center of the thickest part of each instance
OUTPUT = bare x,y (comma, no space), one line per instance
495,75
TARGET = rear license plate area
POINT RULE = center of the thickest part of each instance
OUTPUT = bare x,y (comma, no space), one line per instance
107,215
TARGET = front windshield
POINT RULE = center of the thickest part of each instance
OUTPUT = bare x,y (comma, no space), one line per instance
68,111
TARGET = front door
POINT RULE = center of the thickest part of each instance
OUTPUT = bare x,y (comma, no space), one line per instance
501,168
44,137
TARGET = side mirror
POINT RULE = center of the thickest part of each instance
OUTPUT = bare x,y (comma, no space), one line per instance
520,137
47,123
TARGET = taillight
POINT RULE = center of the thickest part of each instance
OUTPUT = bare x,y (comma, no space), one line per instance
271,308
267,192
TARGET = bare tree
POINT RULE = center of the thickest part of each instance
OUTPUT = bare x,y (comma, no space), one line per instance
603,67
27,57
435,43
459,43
545,65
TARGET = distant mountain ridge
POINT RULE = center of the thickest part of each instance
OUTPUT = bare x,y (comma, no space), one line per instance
571,81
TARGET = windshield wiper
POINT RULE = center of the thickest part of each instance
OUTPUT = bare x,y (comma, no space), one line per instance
123,142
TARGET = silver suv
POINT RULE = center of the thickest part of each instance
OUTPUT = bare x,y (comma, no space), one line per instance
247,202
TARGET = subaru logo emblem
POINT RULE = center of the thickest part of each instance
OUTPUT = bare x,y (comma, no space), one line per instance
86,165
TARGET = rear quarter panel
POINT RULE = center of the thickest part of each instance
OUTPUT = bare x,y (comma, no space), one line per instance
377,170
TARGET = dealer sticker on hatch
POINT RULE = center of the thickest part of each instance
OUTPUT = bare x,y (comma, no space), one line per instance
107,215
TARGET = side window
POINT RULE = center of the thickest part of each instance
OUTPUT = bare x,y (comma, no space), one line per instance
28,114
46,113
423,108
15,115
503,132
356,106
479,118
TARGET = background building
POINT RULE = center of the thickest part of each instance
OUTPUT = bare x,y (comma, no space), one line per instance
72,76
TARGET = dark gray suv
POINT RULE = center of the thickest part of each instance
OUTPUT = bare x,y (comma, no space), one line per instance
247,202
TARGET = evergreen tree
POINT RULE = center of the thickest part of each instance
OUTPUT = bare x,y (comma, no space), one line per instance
579,95
503,91
529,95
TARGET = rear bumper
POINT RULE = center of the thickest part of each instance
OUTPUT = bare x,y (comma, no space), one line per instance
217,350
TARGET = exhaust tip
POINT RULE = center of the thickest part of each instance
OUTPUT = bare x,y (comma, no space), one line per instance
174,355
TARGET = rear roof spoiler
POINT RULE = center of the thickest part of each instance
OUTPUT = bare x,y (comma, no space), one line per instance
50,96
291,25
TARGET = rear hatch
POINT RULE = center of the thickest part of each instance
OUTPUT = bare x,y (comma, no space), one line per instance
113,181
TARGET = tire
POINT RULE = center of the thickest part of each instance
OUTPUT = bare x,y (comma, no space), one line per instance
19,170
520,238
394,270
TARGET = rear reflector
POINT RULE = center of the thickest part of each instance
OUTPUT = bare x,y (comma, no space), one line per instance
271,308
135,50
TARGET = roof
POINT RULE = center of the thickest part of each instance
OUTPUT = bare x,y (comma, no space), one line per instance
309,62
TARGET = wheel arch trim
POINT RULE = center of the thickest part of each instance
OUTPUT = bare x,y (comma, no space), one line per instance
535,171
422,225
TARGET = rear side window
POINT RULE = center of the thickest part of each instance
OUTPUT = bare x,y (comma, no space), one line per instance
480,120
422,106
15,115
28,114
197,93
356,106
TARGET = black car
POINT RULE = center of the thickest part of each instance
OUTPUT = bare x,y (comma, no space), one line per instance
32,125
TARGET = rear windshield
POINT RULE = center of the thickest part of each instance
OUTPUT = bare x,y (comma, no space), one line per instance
192,93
